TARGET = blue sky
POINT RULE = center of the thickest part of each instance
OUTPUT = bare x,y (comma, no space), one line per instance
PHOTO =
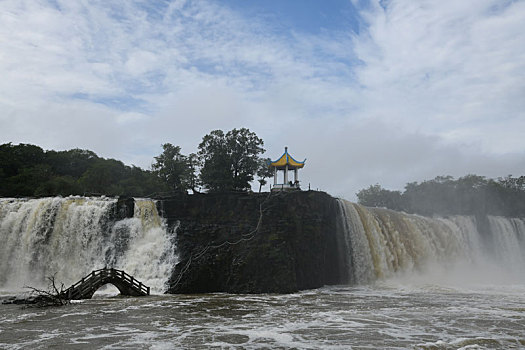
369,92
307,16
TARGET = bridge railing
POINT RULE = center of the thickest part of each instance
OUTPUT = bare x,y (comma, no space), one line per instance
128,278
97,275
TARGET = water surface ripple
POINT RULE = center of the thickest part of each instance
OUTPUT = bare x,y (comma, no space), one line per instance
340,317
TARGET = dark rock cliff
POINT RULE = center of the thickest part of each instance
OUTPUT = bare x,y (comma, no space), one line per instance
253,243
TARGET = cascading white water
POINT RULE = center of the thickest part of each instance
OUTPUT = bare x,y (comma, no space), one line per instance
382,243
70,237
150,252
509,241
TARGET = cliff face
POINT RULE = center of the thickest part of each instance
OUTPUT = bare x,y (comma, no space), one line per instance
253,243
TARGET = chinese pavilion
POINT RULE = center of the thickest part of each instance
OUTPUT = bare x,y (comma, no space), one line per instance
286,163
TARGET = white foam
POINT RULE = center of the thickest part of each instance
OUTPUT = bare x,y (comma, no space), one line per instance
385,244
69,237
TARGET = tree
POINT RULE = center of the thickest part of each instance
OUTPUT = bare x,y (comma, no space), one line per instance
175,169
376,196
513,183
468,195
229,161
27,170
193,179
102,177
29,179
141,183
429,197
74,162
59,185
264,172
15,158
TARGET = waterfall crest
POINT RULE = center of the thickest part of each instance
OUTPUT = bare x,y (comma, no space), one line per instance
382,243
70,237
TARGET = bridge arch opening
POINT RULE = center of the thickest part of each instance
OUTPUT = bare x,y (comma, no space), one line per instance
107,290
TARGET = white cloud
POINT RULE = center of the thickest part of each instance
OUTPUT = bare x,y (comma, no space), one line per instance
443,67
425,88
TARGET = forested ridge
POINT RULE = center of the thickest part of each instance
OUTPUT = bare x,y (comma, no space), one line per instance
225,161
28,170
444,195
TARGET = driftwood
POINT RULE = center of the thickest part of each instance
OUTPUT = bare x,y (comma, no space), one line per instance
53,296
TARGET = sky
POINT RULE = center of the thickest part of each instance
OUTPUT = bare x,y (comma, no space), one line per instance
386,92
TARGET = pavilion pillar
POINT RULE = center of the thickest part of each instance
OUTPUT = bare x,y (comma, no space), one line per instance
286,175
296,176
274,176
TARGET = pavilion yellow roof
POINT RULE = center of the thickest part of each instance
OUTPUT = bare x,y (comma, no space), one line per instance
287,159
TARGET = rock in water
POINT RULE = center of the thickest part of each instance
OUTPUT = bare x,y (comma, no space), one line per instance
253,243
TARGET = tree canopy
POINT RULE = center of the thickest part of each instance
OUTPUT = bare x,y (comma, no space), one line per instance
264,171
28,170
376,196
444,195
229,161
174,168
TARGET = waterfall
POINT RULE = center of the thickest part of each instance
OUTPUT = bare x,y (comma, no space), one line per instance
380,243
69,237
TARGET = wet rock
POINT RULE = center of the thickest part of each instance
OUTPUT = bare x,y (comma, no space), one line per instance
253,243
125,208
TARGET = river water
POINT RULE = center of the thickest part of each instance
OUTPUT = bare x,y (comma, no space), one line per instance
413,283
386,315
